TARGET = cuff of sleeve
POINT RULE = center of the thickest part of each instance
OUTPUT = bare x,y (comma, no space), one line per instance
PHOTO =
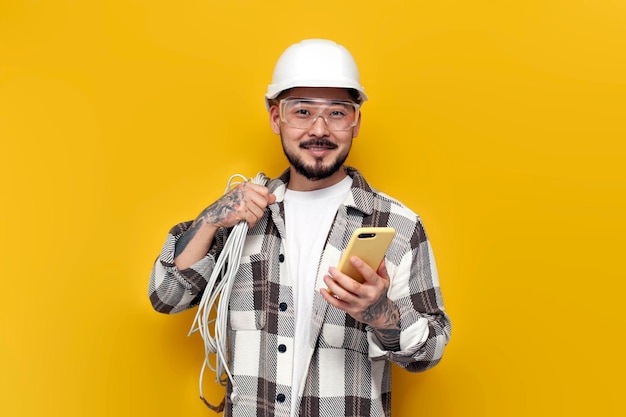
411,339
194,279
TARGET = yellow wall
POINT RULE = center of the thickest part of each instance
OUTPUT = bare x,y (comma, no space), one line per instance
501,122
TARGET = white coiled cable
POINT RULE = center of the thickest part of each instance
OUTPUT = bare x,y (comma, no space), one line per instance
217,294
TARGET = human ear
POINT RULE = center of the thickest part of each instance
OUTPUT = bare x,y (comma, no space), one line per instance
275,119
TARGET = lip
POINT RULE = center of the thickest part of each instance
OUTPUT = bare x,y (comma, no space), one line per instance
319,149
317,146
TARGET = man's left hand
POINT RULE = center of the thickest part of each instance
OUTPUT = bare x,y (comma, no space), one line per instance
365,301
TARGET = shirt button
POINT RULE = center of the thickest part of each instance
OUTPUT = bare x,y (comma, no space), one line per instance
280,398
282,306
282,348
281,258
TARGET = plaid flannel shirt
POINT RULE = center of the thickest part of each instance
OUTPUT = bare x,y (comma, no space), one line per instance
349,373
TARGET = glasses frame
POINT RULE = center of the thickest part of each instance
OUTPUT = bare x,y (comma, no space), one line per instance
283,102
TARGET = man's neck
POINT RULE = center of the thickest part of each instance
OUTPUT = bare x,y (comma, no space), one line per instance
298,182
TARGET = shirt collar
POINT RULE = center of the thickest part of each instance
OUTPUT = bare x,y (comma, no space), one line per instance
361,196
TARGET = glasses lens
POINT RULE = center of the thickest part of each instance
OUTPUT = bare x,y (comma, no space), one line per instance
302,113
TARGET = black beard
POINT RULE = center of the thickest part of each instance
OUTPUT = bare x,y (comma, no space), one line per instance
317,171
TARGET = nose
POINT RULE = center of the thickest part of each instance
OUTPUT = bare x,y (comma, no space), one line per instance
319,126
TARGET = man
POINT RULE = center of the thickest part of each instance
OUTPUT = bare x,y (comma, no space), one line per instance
295,349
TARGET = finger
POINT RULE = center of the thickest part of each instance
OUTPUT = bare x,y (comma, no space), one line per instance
346,286
258,200
331,298
260,195
255,208
260,190
253,214
335,293
331,286
364,269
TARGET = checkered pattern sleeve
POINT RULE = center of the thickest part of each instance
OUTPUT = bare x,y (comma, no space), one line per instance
172,290
425,327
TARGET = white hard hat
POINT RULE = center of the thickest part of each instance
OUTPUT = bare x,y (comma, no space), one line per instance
315,63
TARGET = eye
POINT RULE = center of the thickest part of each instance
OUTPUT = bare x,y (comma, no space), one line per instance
338,111
301,110
336,114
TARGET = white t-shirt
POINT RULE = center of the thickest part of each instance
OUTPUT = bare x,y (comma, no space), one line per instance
308,217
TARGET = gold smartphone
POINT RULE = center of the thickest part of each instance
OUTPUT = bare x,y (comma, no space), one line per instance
368,243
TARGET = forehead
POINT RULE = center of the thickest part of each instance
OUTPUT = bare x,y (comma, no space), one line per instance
320,92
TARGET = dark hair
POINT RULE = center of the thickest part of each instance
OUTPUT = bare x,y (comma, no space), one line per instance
355,95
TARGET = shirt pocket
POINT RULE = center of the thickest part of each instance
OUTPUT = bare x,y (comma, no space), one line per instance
343,337
249,293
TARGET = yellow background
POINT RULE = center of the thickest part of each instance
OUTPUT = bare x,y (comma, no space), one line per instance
502,123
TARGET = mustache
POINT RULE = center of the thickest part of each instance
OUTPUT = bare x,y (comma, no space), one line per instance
322,142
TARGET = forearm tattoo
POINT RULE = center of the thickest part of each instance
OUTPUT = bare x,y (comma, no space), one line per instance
389,331
216,214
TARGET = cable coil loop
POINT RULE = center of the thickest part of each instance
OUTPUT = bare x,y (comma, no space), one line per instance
217,296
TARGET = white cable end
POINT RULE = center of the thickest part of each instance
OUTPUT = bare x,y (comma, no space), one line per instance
234,396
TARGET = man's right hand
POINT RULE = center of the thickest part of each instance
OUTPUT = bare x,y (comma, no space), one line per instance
246,202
